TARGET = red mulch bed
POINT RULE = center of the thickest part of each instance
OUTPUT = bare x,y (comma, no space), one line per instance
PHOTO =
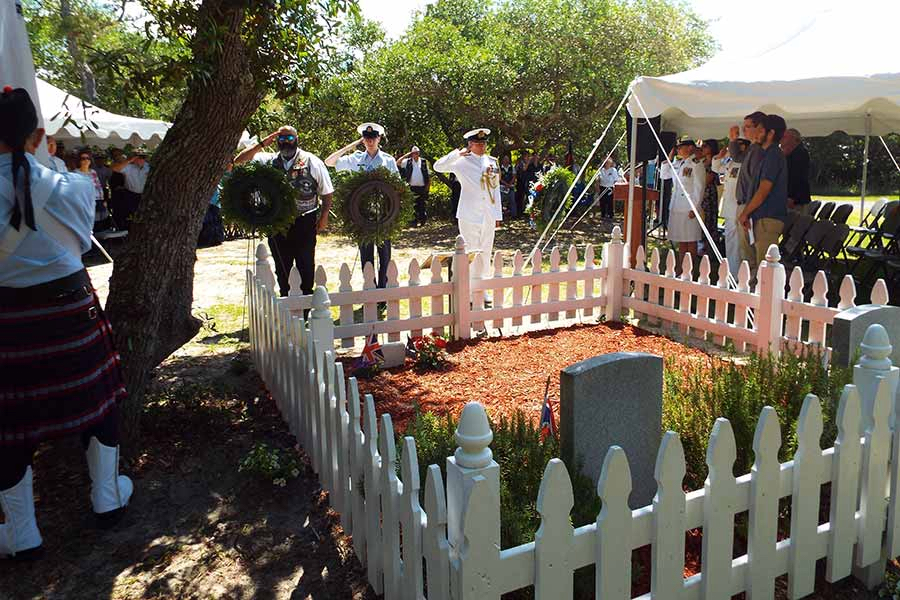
506,374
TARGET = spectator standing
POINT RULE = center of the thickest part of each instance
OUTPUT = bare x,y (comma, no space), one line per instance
767,208
709,205
522,182
85,167
56,163
728,169
135,171
455,191
414,170
798,171
750,160
367,160
508,185
307,173
607,179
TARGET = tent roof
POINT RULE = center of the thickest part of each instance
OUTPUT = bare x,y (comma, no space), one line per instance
68,117
839,66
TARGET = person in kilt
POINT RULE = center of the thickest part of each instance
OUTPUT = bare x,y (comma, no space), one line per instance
59,371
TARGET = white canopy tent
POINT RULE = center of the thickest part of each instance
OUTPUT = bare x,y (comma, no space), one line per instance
68,117
838,72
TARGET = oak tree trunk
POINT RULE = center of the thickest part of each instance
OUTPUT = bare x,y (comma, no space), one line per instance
151,290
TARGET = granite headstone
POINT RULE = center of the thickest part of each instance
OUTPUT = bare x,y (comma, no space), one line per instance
613,399
850,326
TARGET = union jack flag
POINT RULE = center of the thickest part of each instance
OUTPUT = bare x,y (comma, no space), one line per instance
372,353
548,421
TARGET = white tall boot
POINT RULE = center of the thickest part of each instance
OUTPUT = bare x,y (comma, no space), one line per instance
19,535
110,491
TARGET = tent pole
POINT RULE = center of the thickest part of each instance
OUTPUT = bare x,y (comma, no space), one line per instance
629,209
865,172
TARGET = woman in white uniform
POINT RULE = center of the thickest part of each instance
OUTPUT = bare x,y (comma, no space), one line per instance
684,222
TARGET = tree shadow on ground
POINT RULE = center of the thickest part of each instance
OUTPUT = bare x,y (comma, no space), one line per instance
196,527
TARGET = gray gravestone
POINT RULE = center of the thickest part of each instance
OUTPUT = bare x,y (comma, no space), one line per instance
613,399
850,326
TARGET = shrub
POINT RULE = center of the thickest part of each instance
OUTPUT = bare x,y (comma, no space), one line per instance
438,205
522,457
431,352
270,463
695,395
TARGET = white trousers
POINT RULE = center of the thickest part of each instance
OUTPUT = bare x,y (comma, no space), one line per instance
732,247
479,238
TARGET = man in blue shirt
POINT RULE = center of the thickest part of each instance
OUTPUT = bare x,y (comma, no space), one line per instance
767,208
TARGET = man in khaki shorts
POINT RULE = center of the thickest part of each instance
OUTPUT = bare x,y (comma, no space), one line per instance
767,208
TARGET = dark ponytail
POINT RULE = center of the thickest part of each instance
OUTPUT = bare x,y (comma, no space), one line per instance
18,120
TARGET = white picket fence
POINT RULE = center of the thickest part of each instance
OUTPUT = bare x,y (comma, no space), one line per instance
453,541
762,319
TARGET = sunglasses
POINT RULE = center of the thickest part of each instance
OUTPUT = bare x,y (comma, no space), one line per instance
286,138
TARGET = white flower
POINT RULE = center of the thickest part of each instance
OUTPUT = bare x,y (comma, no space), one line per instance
280,482
295,472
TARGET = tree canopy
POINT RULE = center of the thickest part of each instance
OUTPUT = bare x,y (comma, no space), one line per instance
537,72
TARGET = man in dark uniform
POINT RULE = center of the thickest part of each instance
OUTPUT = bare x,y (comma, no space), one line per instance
308,174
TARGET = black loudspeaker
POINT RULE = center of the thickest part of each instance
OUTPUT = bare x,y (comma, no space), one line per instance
647,148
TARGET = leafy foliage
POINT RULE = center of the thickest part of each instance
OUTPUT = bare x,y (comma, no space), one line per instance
695,395
270,463
431,352
258,197
522,457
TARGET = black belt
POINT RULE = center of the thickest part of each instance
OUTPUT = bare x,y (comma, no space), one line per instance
69,288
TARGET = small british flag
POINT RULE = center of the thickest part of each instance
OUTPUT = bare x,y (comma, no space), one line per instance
372,353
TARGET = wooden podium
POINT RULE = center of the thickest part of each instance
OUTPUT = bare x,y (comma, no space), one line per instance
634,221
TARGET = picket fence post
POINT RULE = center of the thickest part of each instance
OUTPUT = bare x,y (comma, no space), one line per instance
462,296
321,325
613,252
264,268
768,318
473,508
874,375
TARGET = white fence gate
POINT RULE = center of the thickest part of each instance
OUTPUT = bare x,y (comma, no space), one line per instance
453,541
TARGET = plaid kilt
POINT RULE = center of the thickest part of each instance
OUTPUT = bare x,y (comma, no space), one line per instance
59,371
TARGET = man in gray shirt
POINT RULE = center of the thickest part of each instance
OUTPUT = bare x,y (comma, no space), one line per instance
750,160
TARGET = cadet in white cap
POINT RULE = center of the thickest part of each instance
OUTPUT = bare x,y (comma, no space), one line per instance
684,223
414,170
367,160
479,208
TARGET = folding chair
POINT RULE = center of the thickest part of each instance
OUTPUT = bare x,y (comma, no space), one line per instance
874,239
887,250
841,213
873,214
813,208
811,248
825,212
794,242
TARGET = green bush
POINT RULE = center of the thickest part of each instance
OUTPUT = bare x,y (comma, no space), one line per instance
694,396
438,205
522,457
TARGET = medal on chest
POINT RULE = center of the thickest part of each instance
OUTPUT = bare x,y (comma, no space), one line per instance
490,180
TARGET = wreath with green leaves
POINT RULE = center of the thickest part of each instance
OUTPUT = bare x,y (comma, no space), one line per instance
372,206
257,197
547,193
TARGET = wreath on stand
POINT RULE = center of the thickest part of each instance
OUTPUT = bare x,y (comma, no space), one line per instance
372,206
258,198
547,193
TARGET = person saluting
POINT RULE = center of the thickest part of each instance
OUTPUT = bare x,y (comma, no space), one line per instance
59,370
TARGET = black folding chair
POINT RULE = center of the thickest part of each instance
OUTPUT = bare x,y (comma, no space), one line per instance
875,238
842,213
811,250
888,250
813,208
793,244
873,214
825,212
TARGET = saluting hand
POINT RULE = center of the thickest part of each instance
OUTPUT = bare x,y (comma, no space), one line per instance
464,152
269,138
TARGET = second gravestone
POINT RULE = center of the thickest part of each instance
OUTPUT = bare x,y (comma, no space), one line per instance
613,399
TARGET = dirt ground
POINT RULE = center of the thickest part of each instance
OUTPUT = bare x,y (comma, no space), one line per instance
196,527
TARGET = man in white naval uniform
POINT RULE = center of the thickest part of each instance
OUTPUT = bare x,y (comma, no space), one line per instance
729,169
479,208
367,160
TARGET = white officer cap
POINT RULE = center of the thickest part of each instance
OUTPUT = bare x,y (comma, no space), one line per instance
479,135
370,128
415,149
